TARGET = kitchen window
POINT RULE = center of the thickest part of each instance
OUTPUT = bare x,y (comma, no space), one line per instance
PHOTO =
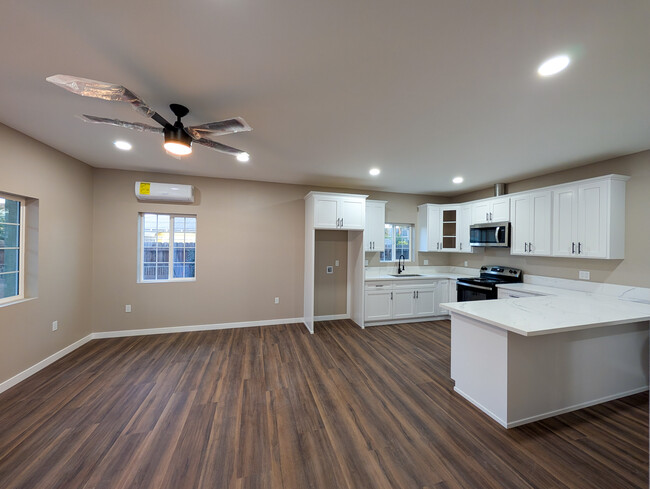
167,248
397,241
12,248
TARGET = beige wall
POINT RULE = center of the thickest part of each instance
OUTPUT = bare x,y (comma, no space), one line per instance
64,188
403,209
330,289
633,270
250,249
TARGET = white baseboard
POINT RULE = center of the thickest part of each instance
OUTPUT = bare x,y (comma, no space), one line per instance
406,321
575,407
197,327
492,415
7,384
332,317
549,414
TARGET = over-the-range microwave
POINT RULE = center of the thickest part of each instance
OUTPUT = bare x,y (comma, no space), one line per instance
495,234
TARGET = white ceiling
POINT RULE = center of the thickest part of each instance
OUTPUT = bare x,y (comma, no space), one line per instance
423,89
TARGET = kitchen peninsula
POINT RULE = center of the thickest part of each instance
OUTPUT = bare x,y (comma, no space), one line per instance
524,359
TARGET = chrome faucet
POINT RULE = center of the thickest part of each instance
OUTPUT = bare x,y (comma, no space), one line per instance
400,265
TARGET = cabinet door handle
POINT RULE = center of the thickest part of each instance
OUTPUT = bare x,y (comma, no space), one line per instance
573,248
525,247
530,247
461,246
487,216
579,246
417,294
342,223
391,296
414,294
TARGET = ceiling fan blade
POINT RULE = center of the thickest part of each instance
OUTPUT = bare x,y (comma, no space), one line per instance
105,91
219,147
219,128
115,122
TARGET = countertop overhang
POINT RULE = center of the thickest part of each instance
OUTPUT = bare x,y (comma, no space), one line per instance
533,316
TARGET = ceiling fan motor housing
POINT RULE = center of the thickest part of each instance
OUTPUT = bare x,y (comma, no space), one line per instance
175,134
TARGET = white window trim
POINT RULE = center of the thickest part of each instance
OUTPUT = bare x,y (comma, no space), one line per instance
21,252
140,280
411,239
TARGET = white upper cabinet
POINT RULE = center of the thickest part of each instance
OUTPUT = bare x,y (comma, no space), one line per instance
338,211
531,223
464,220
444,228
496,209
429,221
589,218
373,236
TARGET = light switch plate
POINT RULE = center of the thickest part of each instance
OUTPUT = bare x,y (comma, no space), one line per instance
55,325
336,263
583,275
127,308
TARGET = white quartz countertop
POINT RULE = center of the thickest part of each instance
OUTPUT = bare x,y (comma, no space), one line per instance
532,316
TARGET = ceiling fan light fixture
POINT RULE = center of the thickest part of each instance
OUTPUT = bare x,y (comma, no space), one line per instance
177,141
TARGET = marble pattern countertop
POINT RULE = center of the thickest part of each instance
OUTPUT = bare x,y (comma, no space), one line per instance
453,273
532,316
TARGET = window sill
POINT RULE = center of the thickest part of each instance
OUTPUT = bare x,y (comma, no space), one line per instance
17,301
172,281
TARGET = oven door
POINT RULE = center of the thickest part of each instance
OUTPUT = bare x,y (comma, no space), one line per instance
469,292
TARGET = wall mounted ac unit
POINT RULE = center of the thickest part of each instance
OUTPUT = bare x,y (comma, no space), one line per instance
167,192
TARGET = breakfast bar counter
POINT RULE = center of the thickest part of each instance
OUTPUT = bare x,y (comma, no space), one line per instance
521,360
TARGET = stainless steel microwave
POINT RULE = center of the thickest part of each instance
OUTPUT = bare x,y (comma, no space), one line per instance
496,234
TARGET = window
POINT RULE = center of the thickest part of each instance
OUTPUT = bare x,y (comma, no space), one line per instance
12,255
397,242
167,247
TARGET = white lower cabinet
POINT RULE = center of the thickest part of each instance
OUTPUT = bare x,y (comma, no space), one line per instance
379,304
425,301
405,299
403,303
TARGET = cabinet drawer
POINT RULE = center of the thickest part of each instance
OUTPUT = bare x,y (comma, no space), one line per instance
399,284
383,284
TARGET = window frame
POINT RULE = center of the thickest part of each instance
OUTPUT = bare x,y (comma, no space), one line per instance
411,238
21,250
141,262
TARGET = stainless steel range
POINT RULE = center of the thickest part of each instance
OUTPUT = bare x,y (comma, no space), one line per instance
485,287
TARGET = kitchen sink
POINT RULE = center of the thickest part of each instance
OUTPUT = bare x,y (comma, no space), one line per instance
405,274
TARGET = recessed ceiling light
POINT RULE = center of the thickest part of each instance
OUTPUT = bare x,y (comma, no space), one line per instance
375,171
243,157
123,145
458,180
554,65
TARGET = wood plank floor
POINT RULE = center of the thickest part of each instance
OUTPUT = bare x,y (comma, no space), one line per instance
275,407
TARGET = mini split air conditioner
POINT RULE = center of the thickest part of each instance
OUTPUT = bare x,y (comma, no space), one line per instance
167,192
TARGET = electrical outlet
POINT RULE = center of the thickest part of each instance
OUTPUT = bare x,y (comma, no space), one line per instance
426,262
583,275
55,325
465,262
277,300
127,308
336,263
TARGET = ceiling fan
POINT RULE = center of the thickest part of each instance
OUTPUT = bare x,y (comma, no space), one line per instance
178,138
